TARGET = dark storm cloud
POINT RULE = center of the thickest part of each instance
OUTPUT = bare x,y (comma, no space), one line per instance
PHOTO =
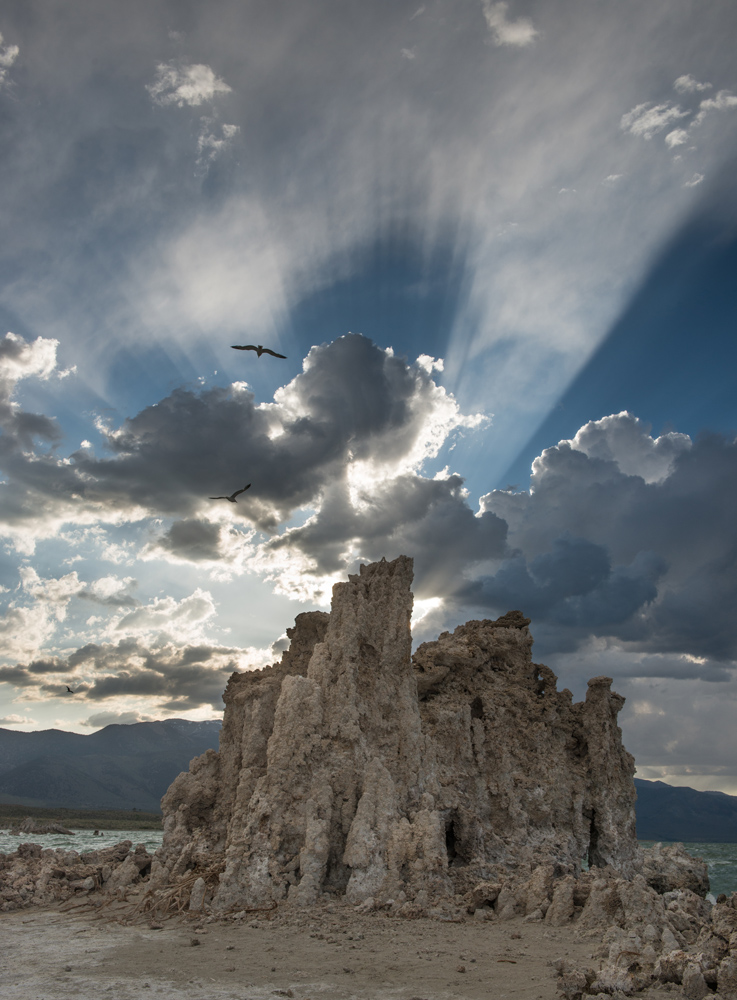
652,563
181,677
193,540
429,518
18,676
352,402
573,586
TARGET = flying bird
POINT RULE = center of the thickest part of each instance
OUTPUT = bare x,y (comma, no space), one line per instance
259,349
232,496
70,690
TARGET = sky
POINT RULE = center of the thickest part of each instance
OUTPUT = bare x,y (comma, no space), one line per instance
496,243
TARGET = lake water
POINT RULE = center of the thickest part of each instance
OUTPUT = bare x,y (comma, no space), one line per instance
720,858
83,840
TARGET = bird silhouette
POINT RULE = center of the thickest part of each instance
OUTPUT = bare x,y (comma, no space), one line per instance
232,496
70,690
259,349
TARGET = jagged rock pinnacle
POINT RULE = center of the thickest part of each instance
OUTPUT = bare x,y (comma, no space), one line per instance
352,767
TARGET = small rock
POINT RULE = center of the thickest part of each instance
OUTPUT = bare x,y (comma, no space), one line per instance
460,968
194,941
197,895
694,984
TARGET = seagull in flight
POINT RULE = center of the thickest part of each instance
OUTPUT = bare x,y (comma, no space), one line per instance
232,496
259,349
70,690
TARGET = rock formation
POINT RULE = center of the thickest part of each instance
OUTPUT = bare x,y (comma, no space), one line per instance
355,769
30,825
458,783
34,876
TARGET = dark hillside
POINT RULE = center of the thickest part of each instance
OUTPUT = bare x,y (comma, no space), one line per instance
665,812
119,767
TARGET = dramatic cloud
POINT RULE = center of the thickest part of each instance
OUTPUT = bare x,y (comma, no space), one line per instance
182,620
626,536
430,519
170,676
353,407
519,33
193,540
185,85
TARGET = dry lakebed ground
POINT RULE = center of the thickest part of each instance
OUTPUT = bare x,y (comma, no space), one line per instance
331,952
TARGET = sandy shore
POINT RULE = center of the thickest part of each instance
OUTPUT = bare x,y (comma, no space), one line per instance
333,953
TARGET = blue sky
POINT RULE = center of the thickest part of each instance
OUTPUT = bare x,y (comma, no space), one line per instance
496,242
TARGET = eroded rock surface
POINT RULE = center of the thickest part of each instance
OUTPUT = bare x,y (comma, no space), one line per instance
34,876
352,767
649,939
30,825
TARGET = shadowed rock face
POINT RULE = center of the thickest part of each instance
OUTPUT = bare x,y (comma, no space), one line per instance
353,767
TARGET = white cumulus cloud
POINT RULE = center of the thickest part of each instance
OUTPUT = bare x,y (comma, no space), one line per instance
723,101
186,85
687,84
647,119
17,720
677,137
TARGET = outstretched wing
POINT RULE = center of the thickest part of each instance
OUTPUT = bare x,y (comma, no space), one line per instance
218,498
267,351
246,347
238,492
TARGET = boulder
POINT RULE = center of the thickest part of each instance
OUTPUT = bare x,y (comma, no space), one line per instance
669,867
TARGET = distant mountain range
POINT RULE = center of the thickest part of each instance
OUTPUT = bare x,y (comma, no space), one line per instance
118,767
130,767
665,812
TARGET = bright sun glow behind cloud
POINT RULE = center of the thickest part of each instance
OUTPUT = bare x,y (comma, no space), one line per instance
487,188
